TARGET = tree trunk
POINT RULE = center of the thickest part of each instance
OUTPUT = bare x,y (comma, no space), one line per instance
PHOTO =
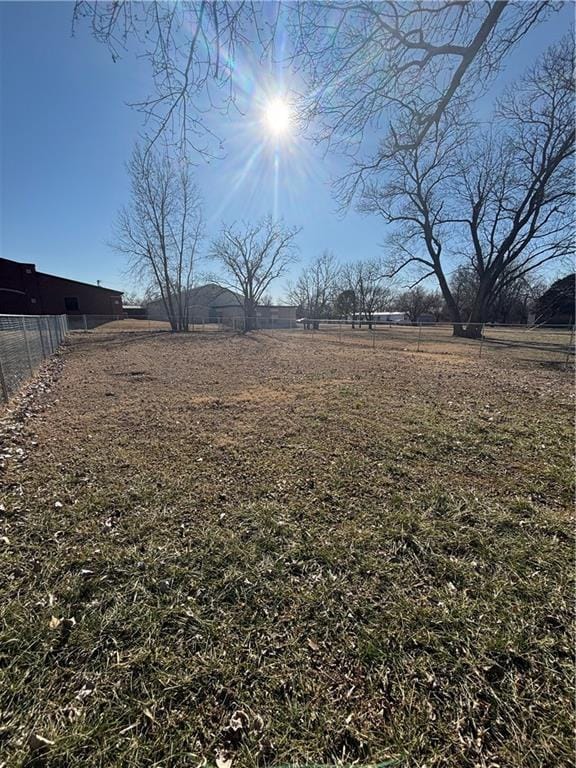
471,331
457,325
475,323
249,315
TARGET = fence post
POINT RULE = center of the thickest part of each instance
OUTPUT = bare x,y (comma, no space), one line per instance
481,339
26,344
419,336
85,319
39,322
3,386
373,339
569,349
50,334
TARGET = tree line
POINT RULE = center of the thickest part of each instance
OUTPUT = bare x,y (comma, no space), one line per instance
327,289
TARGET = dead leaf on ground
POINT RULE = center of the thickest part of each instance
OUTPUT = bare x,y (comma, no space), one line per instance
223,760
37,743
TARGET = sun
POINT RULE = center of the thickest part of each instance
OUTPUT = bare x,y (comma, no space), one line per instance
277,117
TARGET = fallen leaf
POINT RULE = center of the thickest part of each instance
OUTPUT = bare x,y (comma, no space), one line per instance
239,720
36,742
54,622
223,760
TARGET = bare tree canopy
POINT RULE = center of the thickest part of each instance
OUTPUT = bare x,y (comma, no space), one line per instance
316,287
400,64
417,302
366,282
251,257
192,48
160,231
505,208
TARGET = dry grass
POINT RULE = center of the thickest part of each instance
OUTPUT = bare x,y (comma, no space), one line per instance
269,550
552,347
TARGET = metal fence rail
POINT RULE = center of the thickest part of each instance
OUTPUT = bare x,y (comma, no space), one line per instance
114,323
25,341
522,343
541,344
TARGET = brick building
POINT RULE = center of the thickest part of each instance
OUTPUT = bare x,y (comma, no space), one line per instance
25,291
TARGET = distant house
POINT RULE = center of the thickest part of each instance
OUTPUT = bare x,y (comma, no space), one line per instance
25,291
212,303
135,311
391,317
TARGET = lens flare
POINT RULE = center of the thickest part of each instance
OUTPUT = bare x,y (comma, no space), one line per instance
277,117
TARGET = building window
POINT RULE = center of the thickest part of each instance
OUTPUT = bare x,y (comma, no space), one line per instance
71,304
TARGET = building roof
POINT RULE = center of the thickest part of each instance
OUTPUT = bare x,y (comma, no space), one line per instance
209,295
58,277
80,282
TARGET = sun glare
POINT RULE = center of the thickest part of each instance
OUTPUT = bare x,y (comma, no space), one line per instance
277,117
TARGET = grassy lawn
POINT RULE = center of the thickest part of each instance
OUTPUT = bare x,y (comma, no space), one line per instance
270,550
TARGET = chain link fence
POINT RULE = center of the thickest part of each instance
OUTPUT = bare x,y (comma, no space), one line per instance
535,344
532,344
25,341
236,323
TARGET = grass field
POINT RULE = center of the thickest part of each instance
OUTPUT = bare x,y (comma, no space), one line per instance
242,551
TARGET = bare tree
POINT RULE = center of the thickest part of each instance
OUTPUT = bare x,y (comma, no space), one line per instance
130,299
160,231
345,304
315,289
251,257
510,304
367,63
367,281
417,301
504,208
405,64
192,48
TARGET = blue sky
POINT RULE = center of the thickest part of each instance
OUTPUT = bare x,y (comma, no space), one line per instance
66,132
